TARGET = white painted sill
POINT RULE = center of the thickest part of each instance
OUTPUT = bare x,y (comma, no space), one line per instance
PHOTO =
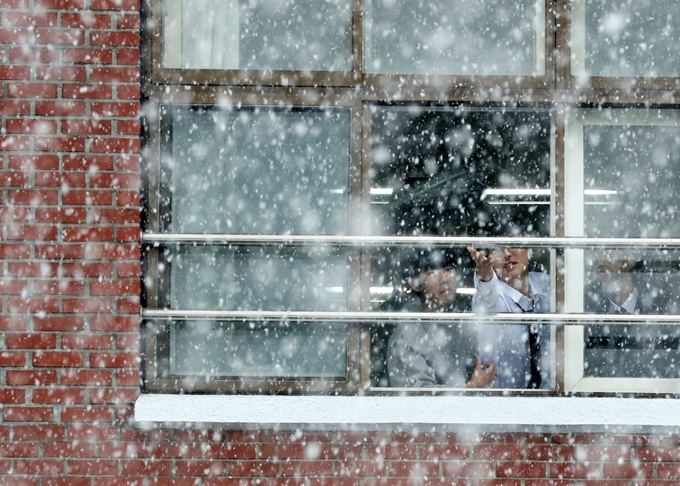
519,414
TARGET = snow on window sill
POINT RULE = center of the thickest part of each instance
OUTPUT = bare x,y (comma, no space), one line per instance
529,414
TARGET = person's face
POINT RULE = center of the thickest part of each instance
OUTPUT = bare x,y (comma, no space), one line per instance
438,287
511,263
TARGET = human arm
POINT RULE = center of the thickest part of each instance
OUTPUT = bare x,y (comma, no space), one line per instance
482,376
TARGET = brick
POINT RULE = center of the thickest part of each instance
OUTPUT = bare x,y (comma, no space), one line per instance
119,449
392,451
622,470
200,468
12,396
13,323
128,234
86,414
114,360
87,55
115,75
60,108
86,378
147,468
86,127
86,341
658,454
61,73
34,90
19,449
31,269
128,20
58,323
495,452
57,359
88,306
59,144
34,162
45,305
115,323
55,36
87,233
88,198
41,467
62,215
128,162
15,215
33,54
551,453
521,469
34,197
115,216
13,287
94,432
31,341
60,179
32,19
575,470
128,270
312,468
128,56
253,468
88,163
66,481
85,91
128,378
115,109
13,73
93,467
31,377
86,20
13,178
468,469
129,305
129,92
114,396
14,143
26,232
82,270
36,126
668,471
114,252
128,127
115,5
27,414
446,451
58,252
115,287
60,4
14,251
63,396
119,145
127,341
115,38
40,432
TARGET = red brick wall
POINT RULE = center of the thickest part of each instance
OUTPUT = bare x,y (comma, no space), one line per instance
69,306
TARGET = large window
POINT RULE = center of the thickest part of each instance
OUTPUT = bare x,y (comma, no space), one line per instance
311,165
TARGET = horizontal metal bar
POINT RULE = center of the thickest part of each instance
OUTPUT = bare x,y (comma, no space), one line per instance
571,242
422,317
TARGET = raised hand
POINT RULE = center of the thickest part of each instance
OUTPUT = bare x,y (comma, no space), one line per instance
482,376
483,263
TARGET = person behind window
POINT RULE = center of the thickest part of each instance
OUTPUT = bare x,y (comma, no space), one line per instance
435,354
505,284
618,293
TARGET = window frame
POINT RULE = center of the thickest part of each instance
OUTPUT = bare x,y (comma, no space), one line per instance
359,91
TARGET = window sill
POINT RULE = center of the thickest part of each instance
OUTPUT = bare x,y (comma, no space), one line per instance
526,414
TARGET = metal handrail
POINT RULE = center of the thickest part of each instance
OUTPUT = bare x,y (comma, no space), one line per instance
421,317
570,242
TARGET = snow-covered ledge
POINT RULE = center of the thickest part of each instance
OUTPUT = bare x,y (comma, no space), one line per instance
532,414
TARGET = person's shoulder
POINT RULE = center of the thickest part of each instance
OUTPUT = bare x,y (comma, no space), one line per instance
541,277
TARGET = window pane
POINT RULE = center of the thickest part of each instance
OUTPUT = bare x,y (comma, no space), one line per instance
225,350
630,173
626,38
303,35
447,37
460,171
257,171
258,278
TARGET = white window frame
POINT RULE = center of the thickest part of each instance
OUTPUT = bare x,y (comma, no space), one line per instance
576,120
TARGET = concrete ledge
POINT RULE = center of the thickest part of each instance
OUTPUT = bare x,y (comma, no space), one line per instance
523,414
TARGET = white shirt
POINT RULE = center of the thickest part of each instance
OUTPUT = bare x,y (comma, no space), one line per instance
508,345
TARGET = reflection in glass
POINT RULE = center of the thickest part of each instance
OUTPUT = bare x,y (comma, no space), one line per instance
456,171
241,350
630,175
446,38
301,35
625,38
258,171
258,278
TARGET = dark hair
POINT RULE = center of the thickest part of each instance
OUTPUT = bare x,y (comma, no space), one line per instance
418,260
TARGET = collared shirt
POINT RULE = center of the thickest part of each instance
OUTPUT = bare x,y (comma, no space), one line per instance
628,306
508,345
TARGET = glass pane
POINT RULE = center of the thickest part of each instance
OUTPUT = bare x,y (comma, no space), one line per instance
448,37
301,35
257,171
460,171
629,37
225,350
258,278
630,177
